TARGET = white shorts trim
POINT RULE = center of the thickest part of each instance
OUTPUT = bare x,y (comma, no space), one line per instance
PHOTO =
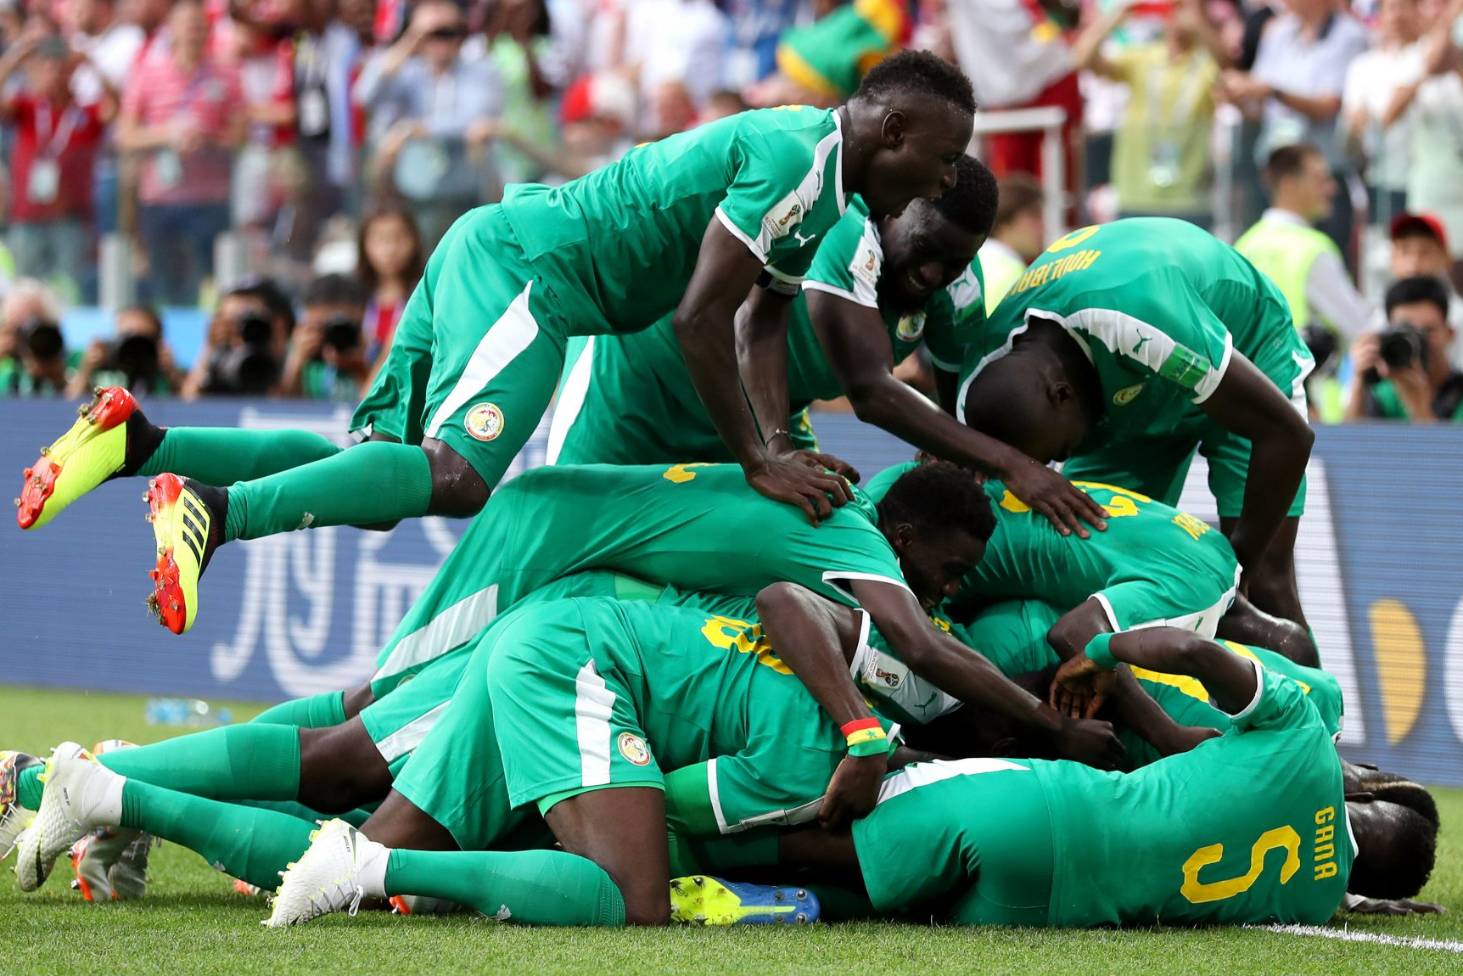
410,735
571,401
593,705
505,340
450,628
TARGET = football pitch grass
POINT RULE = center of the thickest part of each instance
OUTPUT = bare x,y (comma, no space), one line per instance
193,922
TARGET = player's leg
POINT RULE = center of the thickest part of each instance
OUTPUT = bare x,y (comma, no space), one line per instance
1248,624
247,842
313,712
112,438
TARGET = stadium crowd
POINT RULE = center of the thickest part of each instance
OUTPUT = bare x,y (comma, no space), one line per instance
288,164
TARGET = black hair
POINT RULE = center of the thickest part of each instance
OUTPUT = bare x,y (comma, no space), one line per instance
1404,792
334,289
1288,161
942,497
918,71
1396,859
1418,288
267,291
1019,192
147,312
972,201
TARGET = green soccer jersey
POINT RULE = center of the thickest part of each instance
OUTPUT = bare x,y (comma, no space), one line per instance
629,399
1249,827
1158,306
616,248
697,526
1154,564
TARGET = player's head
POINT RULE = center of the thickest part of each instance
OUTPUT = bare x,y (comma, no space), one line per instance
1396,846
1033,400
1299,180
938,518
932,243
910,122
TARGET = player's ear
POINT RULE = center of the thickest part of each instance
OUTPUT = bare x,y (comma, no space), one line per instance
894,128
903,537
1060,393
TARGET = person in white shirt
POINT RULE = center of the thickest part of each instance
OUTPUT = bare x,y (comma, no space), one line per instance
1370,115
1017,238
93,29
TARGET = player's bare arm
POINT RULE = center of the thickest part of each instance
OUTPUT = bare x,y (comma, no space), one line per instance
1250,405
726,271
1230,679
817,639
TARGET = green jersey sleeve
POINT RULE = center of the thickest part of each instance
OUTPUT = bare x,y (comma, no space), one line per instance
777,177
1279,703
850,259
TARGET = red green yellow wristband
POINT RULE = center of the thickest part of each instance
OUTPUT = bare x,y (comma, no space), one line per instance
865,737
1099,650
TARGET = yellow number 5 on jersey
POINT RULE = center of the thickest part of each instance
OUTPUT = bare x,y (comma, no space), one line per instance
679,474
1199,892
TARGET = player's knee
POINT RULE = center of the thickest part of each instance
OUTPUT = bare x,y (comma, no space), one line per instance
356,700
1294,641
340,767
458,490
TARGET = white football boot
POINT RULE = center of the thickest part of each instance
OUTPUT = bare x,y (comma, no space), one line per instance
81,795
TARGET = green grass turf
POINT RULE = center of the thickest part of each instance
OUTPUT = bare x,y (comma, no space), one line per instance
192,922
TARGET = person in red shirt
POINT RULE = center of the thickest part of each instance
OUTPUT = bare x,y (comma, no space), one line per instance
55,150
389,261
184,114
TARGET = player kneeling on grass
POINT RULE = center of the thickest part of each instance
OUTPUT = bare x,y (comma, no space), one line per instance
1255,825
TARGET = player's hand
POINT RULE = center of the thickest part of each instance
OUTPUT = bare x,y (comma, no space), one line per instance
1053,496
790,479
1358,905
853,791
1080,687
1091,742
833,463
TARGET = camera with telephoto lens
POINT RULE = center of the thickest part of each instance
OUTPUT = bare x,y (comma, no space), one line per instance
1401,345
247,366
136,357
43,338
341,333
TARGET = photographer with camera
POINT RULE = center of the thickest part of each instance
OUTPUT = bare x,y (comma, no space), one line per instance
33,357
327,359
246,343
136,357
1403,371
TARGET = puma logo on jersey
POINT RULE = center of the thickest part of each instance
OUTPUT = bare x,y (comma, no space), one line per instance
802,241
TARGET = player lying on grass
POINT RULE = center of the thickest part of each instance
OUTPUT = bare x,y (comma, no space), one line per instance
1126,347
691,223
876,292
586,703
1252,826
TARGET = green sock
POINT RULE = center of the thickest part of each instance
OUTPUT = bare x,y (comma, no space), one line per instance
299,811
248,761
316,712
246,842
224,455
368,484
532,887
841,904
28,787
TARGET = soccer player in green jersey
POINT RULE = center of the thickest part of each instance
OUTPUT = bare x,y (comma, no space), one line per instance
690,223
1127,347
878,289
1027,842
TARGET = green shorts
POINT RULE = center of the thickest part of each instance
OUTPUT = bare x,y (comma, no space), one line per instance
1157,462
478,353
1192,592
1012,635
628,399
400,719
977,831
565,711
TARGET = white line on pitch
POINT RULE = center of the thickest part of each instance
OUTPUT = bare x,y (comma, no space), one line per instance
1350,935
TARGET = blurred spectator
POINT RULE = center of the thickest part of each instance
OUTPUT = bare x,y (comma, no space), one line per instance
1160,156
327,357
1403,372
1296,85
720,105
823,63
246,343
33,356
1374,118
137,357
1420,247
262,60
1304,263
427,106
109,43
389,262
517,40
598,116
1019,235
755,29
1434,105
184,111
52,160
1016,56
677,41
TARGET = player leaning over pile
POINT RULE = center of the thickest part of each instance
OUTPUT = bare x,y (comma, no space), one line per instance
699,222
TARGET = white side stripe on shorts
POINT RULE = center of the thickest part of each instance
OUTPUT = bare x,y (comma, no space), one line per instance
448,629
500,345
571,401
410,735
593,705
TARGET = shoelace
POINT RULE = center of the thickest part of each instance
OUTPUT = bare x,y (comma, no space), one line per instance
321,902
